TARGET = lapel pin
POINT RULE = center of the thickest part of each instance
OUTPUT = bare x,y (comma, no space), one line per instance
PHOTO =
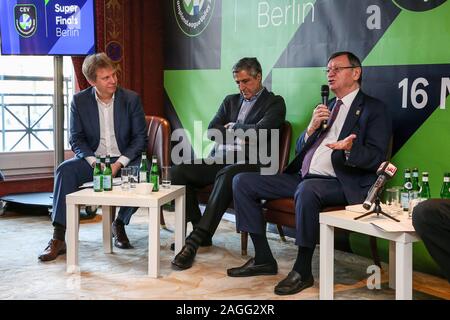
358,112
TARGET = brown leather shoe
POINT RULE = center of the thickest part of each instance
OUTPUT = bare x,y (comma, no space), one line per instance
120,236
55,248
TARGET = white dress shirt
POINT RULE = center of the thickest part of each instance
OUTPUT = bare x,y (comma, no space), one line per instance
321,159
108,143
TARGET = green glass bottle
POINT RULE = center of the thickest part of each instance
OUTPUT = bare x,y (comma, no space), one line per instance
154,174
425,187
415,184
98,177
415,179
107,175
405,193
143,169
445,192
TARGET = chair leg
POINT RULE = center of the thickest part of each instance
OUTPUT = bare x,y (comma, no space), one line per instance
161,219
113,212
244,241
281,232
374,251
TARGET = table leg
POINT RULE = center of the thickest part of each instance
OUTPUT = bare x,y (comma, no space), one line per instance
107,235
392,252
403,271
72,225
153,242
180,225
326,281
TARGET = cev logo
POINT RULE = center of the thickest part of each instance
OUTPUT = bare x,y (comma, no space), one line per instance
193,16
25,20
418,5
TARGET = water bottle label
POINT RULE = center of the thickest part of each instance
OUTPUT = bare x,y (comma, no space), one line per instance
97,182
107,182
404,199
143,176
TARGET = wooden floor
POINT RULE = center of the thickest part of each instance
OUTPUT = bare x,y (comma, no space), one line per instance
123,275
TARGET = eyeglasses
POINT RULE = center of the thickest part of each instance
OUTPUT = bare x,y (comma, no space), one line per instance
338,69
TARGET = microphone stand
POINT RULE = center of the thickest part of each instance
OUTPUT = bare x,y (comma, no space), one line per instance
377,209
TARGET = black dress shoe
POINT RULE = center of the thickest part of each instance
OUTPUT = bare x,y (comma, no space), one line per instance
205,243
120,236
54,249
250,269
185,258
293,283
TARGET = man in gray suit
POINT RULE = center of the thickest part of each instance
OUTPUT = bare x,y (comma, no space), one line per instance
253,109
104,120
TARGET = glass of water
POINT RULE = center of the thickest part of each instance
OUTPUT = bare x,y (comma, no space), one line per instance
134,176
166,180
125,178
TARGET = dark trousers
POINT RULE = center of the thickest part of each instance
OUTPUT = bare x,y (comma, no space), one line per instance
197,176
431,219
70,175
310,195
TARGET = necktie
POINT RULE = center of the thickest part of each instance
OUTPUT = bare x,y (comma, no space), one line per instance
309,154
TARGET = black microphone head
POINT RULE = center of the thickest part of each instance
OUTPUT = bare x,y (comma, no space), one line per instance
324,90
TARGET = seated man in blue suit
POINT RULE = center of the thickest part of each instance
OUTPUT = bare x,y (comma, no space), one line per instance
335,165
104,120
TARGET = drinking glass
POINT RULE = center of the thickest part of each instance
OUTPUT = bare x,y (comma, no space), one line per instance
134,176
165,177
393,197
125,177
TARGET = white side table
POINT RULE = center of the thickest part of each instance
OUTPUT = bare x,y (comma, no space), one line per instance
400,251
118,198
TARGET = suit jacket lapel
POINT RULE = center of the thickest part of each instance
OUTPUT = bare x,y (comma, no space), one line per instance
256,107
117,113
352,116
237,108
92,113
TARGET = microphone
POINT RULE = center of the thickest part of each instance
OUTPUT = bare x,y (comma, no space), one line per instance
385,172
324,92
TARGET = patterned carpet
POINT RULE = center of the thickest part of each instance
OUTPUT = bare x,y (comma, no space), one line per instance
123,274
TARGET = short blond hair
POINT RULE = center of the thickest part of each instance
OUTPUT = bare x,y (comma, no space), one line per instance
94,62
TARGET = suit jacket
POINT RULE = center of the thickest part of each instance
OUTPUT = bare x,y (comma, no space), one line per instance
268,112
129,123
370,120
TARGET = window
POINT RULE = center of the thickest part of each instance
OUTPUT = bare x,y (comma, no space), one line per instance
26,102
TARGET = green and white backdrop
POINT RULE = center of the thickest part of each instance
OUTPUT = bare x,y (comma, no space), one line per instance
404,46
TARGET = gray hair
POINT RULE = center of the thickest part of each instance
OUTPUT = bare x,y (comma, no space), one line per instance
251,65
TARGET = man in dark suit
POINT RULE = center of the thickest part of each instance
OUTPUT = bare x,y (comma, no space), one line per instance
104,120
324,172
253,110
431,219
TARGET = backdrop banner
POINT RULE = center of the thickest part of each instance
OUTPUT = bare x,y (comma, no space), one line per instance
403,46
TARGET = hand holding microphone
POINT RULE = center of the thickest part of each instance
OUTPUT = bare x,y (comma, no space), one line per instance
321,113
